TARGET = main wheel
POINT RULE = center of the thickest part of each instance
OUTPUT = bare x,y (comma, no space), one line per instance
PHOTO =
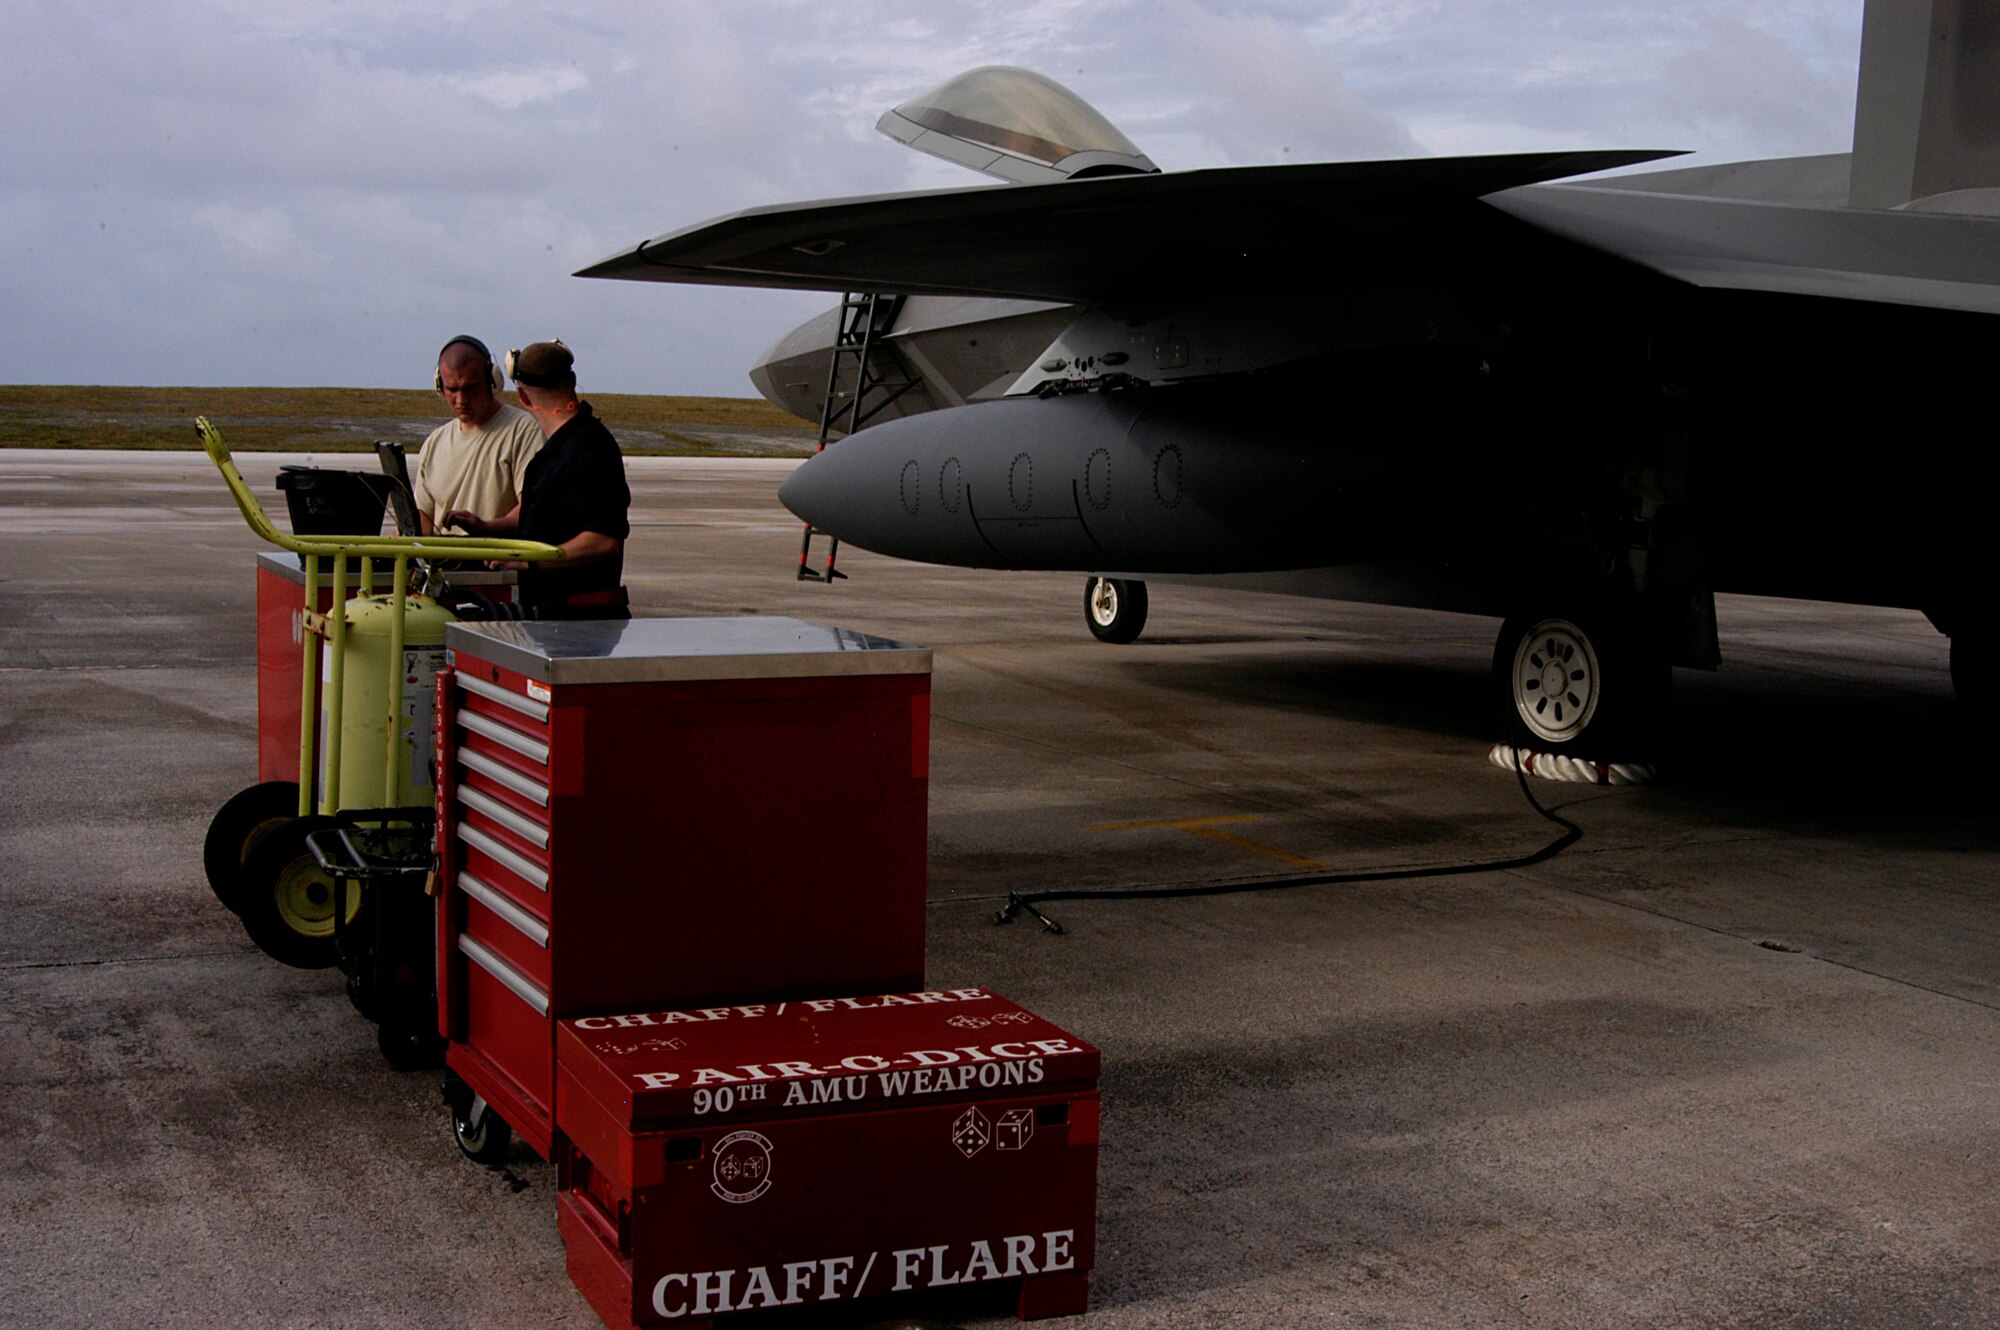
482,1135
239,825
1115,610
1581,686
287,900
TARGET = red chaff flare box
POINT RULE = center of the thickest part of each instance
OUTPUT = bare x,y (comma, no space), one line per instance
785,1154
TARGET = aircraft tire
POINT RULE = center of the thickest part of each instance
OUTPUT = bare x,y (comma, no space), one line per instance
286,900
1114,609
1613,699
237,827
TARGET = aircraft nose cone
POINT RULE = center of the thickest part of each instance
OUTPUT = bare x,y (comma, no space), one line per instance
855,490
814,492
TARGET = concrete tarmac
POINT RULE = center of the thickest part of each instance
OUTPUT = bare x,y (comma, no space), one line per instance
1731,1060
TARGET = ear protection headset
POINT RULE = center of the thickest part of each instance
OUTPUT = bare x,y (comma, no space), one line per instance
514,362
494,378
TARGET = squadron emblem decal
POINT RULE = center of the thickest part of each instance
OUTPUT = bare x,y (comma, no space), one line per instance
742,1169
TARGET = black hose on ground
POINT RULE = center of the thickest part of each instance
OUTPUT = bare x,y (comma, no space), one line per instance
1018,902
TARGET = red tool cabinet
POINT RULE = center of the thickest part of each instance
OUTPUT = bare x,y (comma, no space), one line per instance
668,813
785,1153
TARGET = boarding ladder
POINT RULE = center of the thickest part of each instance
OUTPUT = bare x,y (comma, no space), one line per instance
855,397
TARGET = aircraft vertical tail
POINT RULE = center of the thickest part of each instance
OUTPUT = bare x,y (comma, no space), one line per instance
1927,111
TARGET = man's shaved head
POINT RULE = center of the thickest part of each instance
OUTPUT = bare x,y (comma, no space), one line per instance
462,355
465,378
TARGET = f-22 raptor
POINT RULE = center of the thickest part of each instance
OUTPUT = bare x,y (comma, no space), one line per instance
1582,407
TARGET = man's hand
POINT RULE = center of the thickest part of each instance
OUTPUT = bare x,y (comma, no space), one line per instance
469,522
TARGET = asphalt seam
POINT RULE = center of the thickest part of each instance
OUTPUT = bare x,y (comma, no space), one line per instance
15,967
1760,943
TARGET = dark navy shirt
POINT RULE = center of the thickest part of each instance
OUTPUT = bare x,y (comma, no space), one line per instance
576,483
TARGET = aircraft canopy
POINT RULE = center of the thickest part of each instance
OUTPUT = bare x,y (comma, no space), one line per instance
1014,124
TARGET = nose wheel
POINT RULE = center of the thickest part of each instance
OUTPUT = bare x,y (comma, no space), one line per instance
1114,609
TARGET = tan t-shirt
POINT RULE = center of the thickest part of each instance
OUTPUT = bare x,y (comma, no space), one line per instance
479,469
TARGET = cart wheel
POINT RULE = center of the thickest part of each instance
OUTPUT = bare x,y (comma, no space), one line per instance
286,898
482,1135
238,827
414,1048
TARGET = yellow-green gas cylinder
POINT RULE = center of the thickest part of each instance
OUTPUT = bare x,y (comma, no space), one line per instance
369,707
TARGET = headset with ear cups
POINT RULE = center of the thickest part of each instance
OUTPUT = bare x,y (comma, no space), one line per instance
494,377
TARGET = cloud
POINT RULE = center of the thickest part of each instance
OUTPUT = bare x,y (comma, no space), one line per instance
510,89
249,191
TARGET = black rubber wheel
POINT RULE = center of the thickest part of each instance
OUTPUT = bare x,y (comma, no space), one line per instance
410,1047
483,1142
239,825
286,900
1114,609
1580,685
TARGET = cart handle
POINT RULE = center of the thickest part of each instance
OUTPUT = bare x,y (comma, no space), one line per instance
384,547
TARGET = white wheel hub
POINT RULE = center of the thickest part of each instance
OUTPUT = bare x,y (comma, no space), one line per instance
1104,602
1555,680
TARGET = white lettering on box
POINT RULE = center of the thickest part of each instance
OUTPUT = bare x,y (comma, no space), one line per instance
981,1265
613,1022
828,1278
758,1286
838,1090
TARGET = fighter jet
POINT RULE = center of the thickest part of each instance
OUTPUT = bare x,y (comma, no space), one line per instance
1477,384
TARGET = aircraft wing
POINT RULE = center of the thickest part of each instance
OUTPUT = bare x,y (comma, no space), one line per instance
1934,259
1241,230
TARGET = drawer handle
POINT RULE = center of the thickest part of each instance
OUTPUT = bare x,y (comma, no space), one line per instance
501,774
524,923
506,697
526,869
509,978
525,827
506,736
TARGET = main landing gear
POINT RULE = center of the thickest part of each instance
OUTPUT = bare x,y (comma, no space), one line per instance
1582,685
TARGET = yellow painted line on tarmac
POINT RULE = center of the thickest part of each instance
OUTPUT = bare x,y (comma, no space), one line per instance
1208,828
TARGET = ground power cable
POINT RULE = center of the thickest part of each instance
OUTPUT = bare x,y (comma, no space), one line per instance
1026,902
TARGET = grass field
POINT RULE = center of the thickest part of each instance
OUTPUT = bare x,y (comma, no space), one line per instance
325,420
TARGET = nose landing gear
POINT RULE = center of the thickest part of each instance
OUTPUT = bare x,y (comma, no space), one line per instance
1114,609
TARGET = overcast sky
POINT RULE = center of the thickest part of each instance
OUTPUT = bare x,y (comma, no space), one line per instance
259,192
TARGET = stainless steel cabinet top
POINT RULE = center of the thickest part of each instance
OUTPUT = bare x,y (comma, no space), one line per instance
644,650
